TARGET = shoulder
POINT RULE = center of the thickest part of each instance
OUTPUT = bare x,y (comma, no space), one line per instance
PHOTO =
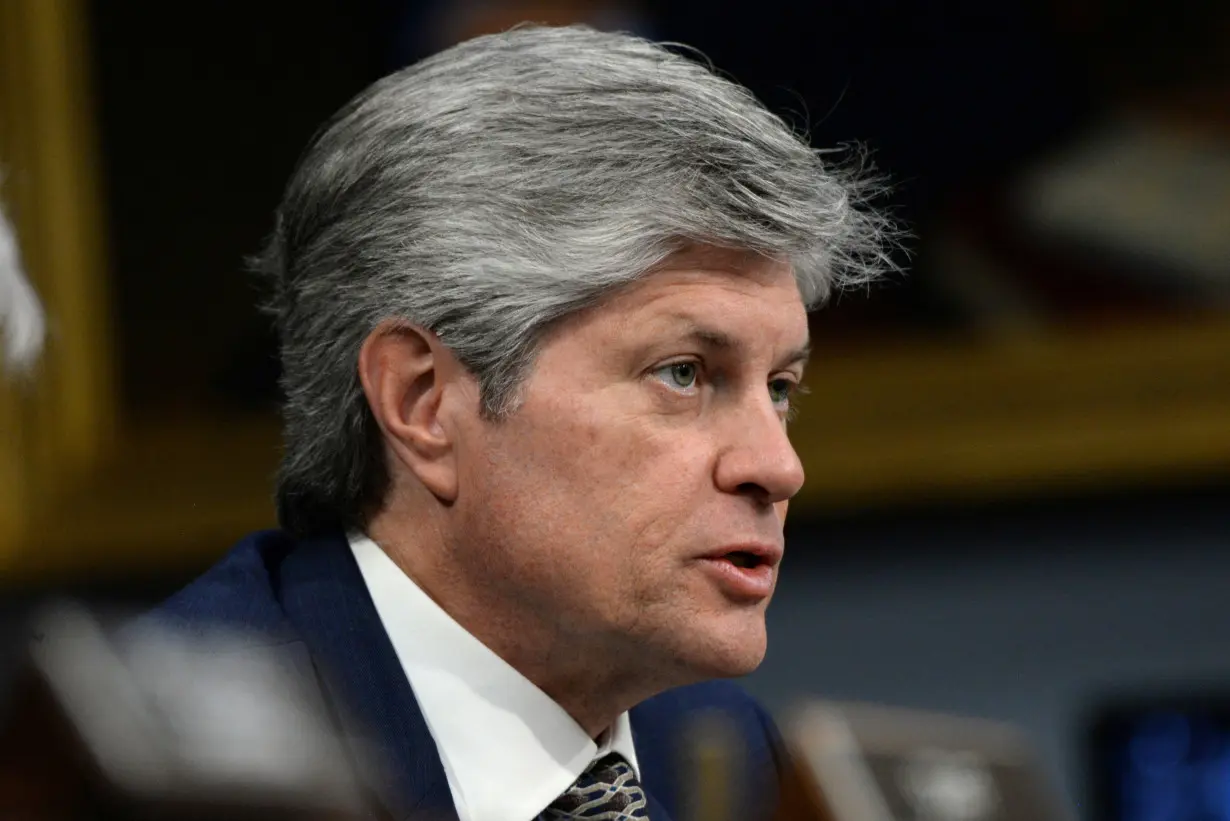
240,592
708,695
669,715
662,726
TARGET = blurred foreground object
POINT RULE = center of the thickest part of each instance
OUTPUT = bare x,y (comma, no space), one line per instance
713,759
867,763
153,723
21,315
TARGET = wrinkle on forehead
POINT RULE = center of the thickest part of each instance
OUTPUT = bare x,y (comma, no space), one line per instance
746,274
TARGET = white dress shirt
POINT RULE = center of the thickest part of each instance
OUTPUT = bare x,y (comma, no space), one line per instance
508,749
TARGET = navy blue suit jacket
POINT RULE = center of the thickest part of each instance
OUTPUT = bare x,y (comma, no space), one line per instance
307,598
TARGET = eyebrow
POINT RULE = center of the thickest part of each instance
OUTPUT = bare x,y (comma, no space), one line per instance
722,341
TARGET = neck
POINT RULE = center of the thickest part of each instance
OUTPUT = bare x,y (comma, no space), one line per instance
593,684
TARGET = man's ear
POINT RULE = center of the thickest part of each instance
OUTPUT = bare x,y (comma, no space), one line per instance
406,371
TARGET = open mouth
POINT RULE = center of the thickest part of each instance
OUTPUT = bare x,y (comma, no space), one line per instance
742,558
744,575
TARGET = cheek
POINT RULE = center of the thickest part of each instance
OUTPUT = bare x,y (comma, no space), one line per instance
649,501
648,477
609,496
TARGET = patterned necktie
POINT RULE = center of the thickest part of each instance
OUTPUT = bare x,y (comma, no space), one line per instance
607,791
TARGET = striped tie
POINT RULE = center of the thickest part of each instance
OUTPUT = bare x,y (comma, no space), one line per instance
607,791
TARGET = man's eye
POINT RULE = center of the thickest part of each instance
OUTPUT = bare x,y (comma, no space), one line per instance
780,390
680,375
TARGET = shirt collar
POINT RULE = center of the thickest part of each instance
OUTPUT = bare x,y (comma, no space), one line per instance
507,748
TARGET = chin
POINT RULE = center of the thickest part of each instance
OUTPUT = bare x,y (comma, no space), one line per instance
728,647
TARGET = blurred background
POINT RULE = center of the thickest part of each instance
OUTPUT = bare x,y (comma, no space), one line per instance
1018,453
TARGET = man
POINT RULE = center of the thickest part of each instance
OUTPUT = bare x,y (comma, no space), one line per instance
542,304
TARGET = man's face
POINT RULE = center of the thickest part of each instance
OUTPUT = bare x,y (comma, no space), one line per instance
635,500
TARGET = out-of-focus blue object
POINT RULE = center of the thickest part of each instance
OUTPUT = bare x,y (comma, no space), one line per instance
1176,767
1165,763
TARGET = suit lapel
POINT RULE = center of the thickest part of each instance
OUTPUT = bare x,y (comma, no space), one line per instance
655,809
658,758
323,594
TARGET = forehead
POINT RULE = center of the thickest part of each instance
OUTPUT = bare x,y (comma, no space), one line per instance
724,291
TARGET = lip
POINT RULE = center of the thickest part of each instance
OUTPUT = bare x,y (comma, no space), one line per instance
744,583
768,554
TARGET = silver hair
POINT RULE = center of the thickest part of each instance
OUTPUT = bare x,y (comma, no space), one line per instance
509,181
21,315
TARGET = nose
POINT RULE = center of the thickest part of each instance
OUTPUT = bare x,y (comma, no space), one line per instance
757,459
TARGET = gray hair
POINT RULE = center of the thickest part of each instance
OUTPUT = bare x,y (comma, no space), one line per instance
496,187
